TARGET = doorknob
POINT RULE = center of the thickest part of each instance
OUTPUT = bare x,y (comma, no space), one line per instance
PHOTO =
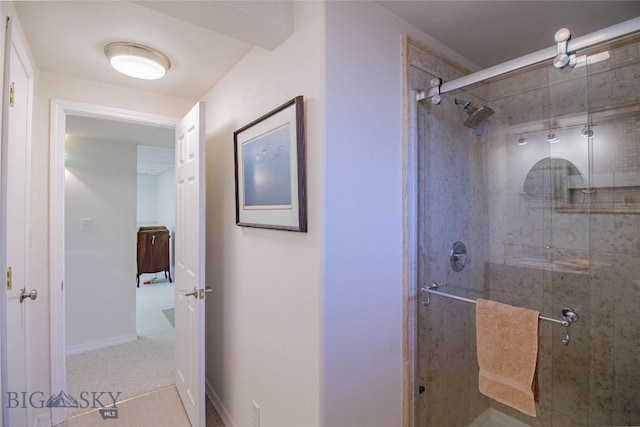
193,293
197,293
206,290
33,294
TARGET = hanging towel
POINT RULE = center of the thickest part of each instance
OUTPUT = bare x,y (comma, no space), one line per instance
507,341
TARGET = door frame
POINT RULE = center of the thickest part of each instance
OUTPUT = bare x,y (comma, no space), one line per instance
59,111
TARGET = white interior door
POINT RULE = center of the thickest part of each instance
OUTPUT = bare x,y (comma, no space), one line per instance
16,154
190,258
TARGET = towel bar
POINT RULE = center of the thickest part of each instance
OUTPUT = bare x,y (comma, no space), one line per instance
569,315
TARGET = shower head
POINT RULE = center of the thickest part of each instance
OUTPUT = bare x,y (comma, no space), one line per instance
477,116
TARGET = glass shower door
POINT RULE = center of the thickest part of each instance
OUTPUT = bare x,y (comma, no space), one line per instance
564,370
614,196
547,201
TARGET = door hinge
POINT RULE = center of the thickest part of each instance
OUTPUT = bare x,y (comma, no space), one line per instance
9,284
12,94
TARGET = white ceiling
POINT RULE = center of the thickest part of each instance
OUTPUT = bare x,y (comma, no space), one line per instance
113,130
205,39
155,144
154,160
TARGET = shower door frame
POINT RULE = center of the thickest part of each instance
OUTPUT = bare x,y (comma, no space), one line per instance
412,295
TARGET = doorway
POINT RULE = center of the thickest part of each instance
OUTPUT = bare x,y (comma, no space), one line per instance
119,338
62,113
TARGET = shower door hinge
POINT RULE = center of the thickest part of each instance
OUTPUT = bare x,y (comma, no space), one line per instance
434,92
9,279
563,57
12,94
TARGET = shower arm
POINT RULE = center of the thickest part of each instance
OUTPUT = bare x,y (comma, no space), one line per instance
591,39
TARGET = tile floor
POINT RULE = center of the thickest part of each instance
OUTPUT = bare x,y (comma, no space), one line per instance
161,408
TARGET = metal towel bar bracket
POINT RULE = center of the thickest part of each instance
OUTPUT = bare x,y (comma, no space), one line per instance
569,316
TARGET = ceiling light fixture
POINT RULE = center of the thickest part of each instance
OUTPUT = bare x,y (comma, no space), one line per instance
136,60
522,140
552,138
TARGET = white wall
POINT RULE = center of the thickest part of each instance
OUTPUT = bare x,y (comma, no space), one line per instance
147,200
263,317
362,253
306,324
157,203
263,342
166,207
49,86
100,185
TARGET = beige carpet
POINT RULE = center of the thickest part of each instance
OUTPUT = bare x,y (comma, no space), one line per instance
134,368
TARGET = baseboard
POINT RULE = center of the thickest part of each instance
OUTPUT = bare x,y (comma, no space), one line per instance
43,420
217,404
96,345
493,417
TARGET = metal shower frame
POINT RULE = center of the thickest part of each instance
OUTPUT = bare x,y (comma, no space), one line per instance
563,49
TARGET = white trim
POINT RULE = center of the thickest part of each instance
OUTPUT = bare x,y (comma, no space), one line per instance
98,344
4,144
219,407
59,111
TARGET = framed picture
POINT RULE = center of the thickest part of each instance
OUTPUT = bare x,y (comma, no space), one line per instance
270,170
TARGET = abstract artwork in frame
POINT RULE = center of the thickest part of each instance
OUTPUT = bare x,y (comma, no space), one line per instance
270,170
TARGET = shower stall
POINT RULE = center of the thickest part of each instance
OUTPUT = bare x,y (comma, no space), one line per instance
536,172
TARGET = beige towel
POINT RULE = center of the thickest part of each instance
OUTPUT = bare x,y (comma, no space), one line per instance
507,340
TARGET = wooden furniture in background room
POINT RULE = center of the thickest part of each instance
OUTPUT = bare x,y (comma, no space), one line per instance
153,251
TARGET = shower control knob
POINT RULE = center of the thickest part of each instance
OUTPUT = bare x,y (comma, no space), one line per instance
458,257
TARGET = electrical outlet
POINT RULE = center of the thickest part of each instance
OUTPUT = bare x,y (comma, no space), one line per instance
256,414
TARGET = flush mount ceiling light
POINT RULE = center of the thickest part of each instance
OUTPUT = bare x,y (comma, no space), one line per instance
136,60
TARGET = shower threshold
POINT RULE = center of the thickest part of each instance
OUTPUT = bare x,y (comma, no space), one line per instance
493,418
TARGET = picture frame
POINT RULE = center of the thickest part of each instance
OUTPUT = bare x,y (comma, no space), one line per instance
270,173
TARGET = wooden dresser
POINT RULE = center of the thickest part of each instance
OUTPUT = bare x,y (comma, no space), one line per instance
153,251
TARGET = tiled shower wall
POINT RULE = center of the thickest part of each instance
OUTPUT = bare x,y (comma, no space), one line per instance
536,252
